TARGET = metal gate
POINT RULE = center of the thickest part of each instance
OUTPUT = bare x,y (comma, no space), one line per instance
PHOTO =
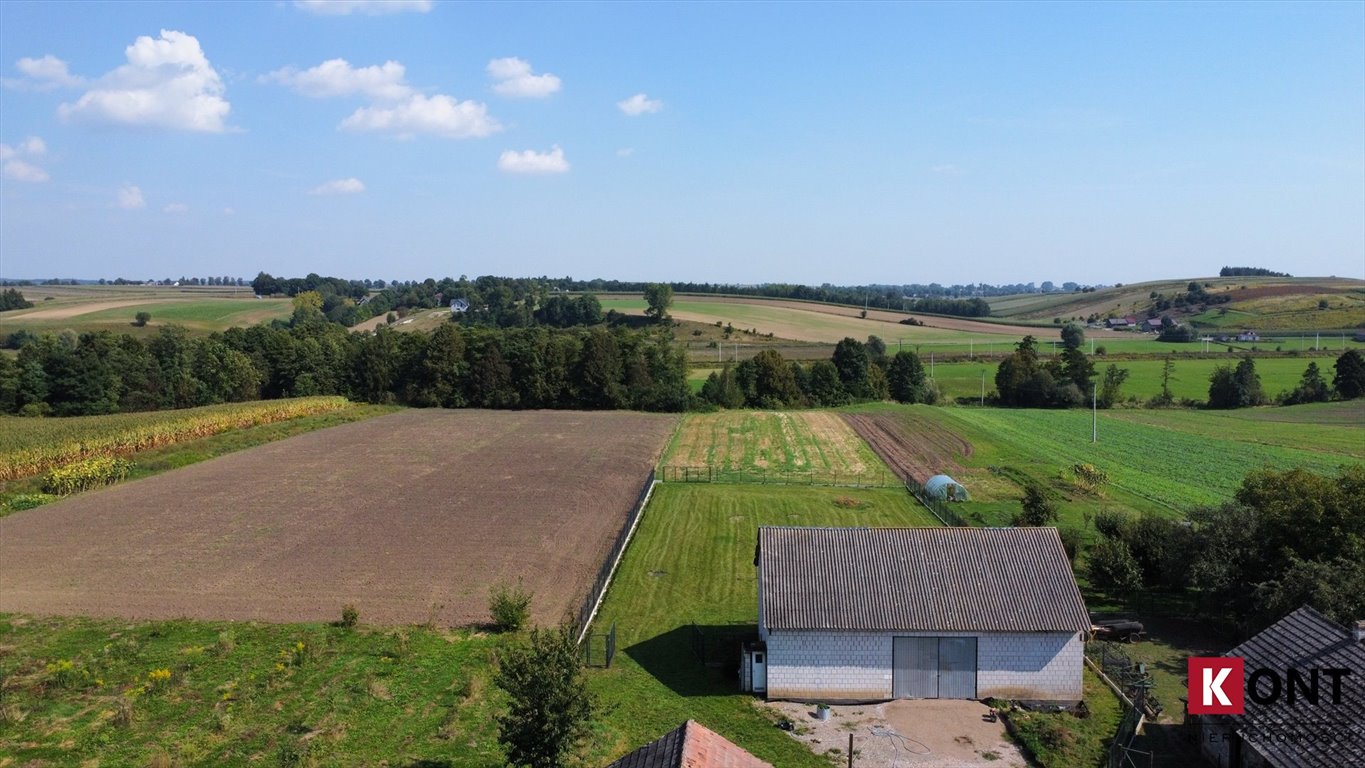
933,668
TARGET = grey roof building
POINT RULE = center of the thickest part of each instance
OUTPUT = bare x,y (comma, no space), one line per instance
1325,734
857,614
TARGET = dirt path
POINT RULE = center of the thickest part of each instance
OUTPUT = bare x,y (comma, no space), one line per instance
410,517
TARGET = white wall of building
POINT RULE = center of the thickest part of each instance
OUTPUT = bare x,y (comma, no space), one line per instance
856,666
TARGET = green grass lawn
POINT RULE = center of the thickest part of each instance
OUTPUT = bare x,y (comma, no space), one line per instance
692,561
243,694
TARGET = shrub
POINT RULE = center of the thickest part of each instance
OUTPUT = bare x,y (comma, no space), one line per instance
1112,567
28,501
349,616
509,606
87,474
142,318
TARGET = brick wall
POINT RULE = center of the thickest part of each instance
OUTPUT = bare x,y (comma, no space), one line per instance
857,665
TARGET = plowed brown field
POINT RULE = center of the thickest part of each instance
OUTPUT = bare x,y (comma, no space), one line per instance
410,517
914,447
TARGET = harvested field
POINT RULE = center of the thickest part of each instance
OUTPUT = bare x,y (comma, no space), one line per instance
410,517
913,446
801,441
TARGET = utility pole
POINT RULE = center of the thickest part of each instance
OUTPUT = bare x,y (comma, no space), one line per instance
931,364
983,389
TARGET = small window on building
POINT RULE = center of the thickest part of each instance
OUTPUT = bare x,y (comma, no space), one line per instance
758,658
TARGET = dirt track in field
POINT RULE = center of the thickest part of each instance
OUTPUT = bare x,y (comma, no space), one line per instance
913,447
930,321
410,517
76,310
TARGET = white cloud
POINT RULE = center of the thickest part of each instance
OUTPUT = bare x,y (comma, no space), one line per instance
229,212
639,104
167,83
336,77
14,167
396,108
45,74
532,161
365,7
351,186
438,115
176,208
130,198
18,170
625,151
514,79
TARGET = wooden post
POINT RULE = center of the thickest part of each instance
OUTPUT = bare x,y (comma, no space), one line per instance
850,750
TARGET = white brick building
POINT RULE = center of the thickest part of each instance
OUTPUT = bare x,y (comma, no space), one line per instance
856,614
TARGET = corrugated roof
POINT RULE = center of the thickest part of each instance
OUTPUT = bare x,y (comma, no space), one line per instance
1297,736
927,579
690,745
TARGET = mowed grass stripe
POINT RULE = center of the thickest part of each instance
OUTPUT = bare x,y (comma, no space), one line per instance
774,441
691,560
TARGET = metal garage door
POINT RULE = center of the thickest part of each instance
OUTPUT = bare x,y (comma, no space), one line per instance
957,668
914,663
933,668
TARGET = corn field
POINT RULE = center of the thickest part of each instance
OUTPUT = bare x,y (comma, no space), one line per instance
86,474
33,446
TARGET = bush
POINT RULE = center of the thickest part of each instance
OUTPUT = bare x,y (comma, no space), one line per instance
509,606
87,474
349,616
142,318
1039,508
1112,567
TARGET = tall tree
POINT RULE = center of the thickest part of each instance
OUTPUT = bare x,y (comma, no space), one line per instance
1350,379
905,377
1073,336
658,298
549,704
852,361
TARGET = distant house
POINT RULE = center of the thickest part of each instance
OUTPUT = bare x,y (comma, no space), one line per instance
1117,323
458,306
1152,325
861,614
690,745
1305,734
1248,336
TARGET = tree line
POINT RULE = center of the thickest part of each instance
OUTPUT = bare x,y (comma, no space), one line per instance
101,372
857,371
1025,380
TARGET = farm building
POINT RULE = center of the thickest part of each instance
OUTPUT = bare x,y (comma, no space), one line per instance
945,488
690,745
865,614
1303,734
1248,336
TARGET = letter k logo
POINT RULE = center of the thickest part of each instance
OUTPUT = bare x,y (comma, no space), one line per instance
1216,686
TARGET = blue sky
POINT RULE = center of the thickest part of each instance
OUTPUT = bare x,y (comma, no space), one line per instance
843,143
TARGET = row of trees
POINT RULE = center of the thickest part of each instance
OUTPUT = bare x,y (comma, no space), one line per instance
1240,386
857,371
1025,380
1287,538
100,372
